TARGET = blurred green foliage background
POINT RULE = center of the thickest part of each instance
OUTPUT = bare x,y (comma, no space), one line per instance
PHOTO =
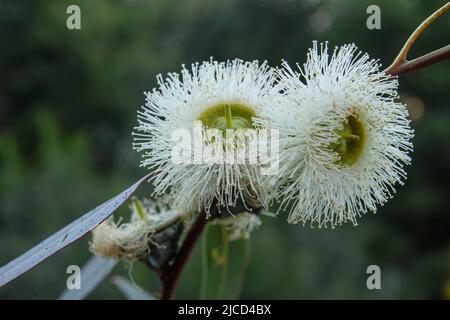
68,102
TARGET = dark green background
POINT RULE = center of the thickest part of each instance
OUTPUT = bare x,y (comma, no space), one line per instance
68,102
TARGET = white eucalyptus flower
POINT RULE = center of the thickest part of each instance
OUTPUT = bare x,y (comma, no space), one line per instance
131,240
210,95
343,137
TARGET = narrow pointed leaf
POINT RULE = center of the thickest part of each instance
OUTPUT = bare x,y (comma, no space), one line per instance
224,265
92,274
65,236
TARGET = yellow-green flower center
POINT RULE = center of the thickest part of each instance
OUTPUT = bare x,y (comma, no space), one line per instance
227,116
351,141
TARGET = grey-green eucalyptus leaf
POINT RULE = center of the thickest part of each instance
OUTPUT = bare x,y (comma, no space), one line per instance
65,236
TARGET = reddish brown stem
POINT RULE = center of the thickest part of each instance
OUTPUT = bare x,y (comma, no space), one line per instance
428,59
169,277
401,65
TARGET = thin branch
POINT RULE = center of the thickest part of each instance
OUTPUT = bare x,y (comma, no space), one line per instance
401,65
169,277
418,63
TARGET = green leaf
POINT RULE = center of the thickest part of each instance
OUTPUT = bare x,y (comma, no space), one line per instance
223,264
